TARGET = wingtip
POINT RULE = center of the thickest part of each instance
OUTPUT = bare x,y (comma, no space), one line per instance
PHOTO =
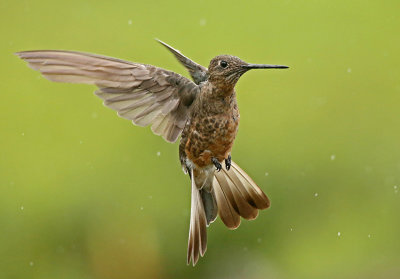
161,42
173,50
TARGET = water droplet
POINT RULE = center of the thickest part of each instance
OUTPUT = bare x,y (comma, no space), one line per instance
150,197
333,157
266,174
349,70
22,207
203,22
130,22
316,195
291,229
31,263
141,208
158,153
80,142
23,134
369,236
395,187
338,234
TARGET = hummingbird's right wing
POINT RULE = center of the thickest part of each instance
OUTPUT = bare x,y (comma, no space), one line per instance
196,71
145,94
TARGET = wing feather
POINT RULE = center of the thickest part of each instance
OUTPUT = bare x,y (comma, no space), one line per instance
145,94
196,71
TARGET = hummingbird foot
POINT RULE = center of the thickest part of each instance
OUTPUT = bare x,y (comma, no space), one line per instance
228,162
216,164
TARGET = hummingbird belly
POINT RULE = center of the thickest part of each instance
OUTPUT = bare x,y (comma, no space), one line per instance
211,137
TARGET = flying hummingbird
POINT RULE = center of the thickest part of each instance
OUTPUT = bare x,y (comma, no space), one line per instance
203,111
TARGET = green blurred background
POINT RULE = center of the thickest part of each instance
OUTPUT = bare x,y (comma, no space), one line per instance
85,194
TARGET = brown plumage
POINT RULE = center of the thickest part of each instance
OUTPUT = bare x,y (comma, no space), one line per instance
204,112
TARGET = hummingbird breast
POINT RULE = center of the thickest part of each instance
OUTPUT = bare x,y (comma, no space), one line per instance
210,131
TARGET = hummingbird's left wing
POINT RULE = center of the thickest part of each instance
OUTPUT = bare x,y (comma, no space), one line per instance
145,94
196,71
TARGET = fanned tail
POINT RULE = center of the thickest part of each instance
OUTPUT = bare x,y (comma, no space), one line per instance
232,194
237,195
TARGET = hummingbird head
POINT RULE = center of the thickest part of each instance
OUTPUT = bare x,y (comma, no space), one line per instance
225,70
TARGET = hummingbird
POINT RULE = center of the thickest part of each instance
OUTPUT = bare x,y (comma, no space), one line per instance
204,112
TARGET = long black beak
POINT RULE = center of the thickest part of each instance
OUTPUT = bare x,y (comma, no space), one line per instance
263,66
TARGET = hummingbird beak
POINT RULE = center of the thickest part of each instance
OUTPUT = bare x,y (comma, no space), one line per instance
263,66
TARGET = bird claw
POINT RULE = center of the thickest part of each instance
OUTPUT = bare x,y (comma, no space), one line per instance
217,164
228,162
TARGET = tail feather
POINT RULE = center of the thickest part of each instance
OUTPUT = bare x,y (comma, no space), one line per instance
210,205
227,213
197,244
257,197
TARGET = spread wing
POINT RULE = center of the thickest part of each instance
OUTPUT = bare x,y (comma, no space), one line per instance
145,94
197,72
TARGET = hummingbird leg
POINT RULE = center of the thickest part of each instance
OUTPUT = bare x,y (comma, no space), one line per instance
216,164
228,162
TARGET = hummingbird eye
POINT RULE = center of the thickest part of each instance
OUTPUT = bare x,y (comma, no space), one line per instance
223,64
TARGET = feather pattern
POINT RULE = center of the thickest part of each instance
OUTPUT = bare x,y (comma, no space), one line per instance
145,94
